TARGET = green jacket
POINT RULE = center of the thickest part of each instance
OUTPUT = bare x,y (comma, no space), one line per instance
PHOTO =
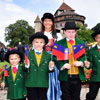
63,75
94,58
38,76
16,89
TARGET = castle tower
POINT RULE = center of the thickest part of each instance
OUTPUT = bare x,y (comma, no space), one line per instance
37,24
66,13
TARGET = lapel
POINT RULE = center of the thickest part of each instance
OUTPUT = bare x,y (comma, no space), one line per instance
18,72
96,51
77,41
43,57
32,54
10,73
64,43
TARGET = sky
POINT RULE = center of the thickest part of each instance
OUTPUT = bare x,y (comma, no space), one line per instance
13,10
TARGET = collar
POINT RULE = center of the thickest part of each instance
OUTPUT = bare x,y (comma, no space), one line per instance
98,47
69,39
38,51
15,66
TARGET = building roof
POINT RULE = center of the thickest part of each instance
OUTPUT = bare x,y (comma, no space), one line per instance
37,19
69,13
64,6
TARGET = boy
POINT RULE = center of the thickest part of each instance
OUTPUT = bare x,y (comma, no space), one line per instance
70,71
38,68
15,80
94,63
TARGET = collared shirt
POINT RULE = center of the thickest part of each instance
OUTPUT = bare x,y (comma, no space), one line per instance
69,39
98,47
38,51
15,66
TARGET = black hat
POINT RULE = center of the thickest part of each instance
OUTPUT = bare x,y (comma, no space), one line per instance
70,25
39,35
48,16
14,51
96,32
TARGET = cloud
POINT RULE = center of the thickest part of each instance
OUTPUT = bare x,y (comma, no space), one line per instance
87,8
10,13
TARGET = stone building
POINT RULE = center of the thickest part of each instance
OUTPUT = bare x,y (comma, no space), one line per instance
66,13
63,13
37,24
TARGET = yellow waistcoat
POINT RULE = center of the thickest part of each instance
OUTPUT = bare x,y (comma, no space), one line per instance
73,70
38,58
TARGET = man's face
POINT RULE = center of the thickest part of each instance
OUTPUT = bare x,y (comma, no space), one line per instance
38,44
97,38
70,34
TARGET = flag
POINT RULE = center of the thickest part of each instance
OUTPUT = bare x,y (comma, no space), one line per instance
26,53
1,69
61,52
78,50
5,71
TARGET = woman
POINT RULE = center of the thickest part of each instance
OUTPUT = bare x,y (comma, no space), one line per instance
49,30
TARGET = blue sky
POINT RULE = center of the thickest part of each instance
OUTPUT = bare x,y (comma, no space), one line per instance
13,10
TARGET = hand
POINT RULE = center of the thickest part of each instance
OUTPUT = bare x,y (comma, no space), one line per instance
51,64
78,63
65,66
25,95
87,64
26,63
2,84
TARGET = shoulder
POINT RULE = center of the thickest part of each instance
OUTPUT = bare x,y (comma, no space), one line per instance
31,51
61,41
81,41
46,53
59,36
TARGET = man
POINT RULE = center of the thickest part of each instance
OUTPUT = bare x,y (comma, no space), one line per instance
70,71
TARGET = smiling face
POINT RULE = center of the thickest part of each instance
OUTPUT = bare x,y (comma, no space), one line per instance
97,38
48,24
14,59
70,34
38,44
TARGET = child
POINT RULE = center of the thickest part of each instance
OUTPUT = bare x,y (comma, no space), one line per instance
71,71
94,63
15,80
37,81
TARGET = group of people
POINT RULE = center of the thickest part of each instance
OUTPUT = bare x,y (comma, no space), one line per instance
46,78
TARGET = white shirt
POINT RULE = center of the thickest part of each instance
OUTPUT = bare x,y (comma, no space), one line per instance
49,35
15,66
98,47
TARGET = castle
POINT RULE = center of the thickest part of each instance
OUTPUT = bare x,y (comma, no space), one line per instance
63,13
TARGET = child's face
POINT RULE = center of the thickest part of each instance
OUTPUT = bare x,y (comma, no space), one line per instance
70,34
14,59
38,44
97,38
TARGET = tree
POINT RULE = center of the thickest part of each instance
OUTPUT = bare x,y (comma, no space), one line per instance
84,34
18,32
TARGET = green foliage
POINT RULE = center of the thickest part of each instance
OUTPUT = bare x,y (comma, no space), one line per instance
19,31
84,34
2,66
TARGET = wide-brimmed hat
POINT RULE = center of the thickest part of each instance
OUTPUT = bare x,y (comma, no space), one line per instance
14,51
96,31
70,25
39,35
48,16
